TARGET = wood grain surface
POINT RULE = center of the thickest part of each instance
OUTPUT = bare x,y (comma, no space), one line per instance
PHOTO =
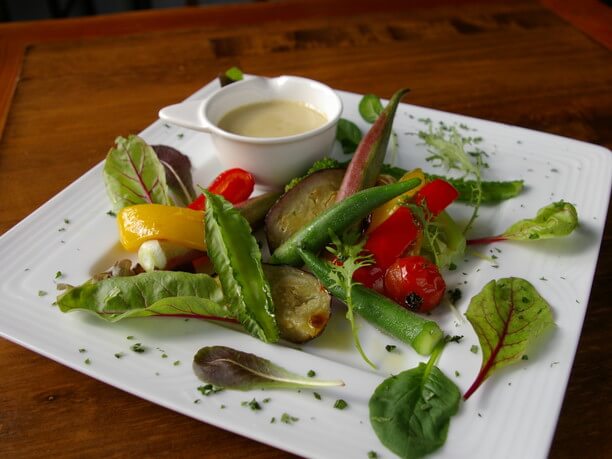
79,84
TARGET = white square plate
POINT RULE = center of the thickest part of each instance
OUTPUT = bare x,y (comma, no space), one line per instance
512,415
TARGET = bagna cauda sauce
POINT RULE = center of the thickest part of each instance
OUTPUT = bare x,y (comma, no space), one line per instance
273,118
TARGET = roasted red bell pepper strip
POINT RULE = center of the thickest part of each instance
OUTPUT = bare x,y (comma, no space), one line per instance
437,195
235,185
387,243
390,240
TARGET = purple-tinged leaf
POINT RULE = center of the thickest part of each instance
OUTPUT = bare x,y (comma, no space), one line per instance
178,172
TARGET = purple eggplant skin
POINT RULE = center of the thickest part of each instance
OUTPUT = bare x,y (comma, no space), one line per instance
302,305
301,204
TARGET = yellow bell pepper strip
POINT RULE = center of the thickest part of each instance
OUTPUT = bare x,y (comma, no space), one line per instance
181,225
145,222
380,214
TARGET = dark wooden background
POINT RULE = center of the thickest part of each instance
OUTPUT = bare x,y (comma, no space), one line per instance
68,88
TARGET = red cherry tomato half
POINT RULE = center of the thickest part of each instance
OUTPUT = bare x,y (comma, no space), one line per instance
415,283
235,185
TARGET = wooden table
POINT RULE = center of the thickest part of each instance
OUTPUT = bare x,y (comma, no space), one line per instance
80,83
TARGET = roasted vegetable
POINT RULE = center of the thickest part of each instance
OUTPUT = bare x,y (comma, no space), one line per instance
302,304
365,166
180,225
380,311
301,204
337,219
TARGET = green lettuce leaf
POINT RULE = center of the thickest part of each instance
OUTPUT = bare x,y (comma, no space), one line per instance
370,107
237,259
555,220
133,174
508,315
231,369
159,293
349,135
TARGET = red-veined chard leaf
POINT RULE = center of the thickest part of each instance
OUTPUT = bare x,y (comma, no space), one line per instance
134,175
410,412
158,293
178,172
232,369
237,259
508,315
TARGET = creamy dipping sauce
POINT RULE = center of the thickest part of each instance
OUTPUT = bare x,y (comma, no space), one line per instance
274,118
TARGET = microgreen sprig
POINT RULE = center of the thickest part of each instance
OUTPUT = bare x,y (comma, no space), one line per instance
350,257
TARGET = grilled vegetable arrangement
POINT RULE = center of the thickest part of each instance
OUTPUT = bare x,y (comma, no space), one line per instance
372,235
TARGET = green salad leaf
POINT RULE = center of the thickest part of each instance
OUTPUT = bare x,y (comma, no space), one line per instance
232,369
508,315
159,293
370,107
554,220
349,135
411,412
443,240
237,259
133,174
230,76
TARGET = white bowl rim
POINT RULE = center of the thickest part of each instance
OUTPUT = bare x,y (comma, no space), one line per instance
273,140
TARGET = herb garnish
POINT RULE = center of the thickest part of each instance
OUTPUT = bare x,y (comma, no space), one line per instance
253,404
351,257
447,148
288,419
138,348
340,404
209,389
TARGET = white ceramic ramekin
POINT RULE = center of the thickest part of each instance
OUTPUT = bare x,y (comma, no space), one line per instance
272,160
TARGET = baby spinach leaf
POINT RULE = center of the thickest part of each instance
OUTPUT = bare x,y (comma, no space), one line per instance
410,412
232,369
237,259
159,293
370,107
178,172
349,135
555,220
507,315
134,175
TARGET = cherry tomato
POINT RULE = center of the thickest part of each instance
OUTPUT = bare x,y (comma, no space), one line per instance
235,185
415,283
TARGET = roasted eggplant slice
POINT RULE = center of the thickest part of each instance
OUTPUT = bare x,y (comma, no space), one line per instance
301,204
302,304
